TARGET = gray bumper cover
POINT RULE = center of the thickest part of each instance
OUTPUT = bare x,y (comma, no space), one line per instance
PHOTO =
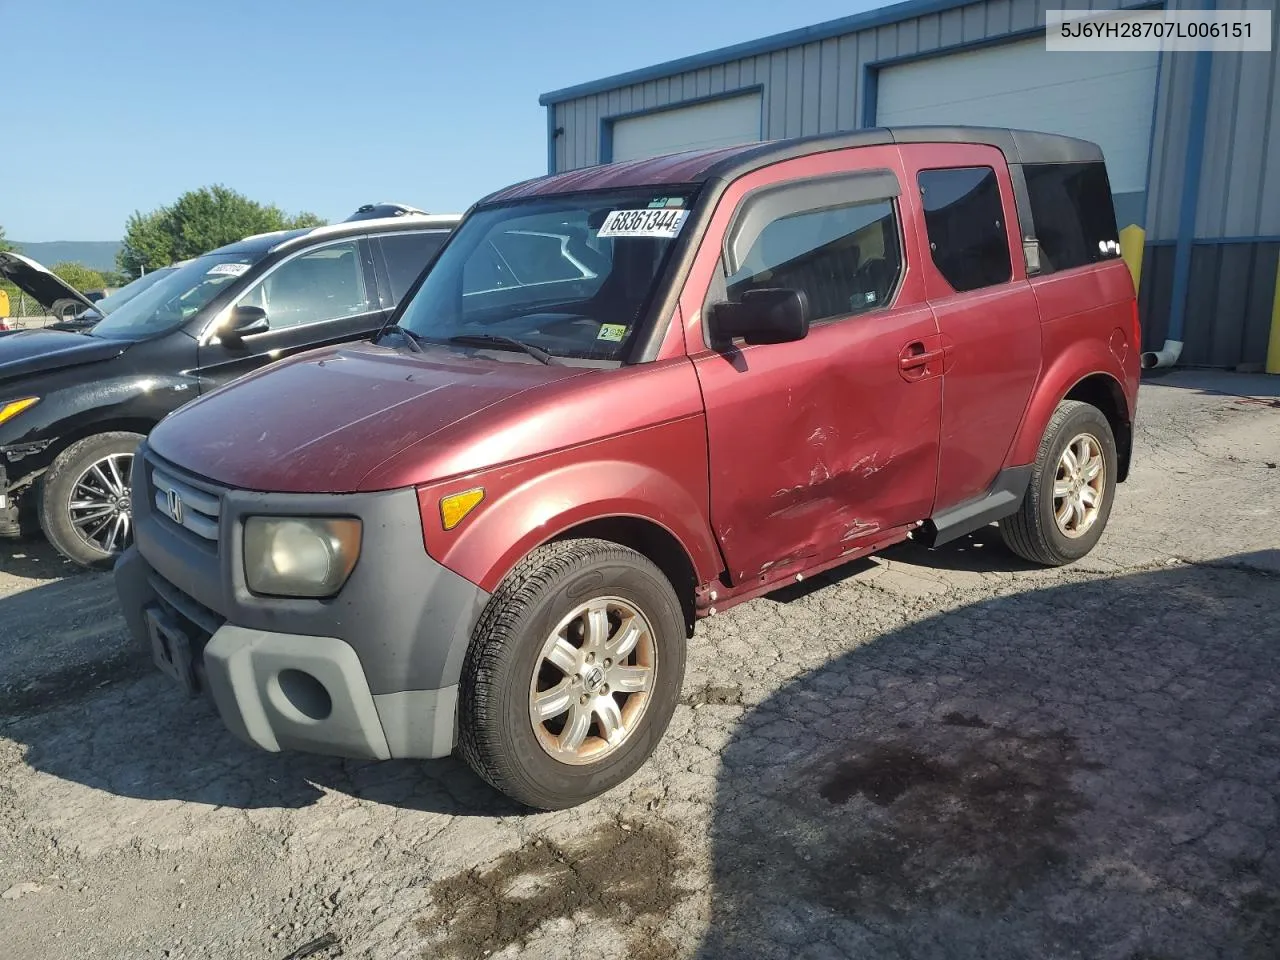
387,650
256,680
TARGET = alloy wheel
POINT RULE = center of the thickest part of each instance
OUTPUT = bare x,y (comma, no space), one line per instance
593,680
100,507
1079,486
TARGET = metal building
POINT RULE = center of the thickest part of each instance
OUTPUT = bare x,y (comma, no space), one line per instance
1192,140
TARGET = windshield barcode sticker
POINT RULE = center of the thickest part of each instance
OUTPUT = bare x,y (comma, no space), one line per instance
228,270
643,223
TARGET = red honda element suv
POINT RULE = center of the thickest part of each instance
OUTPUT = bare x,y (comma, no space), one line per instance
622,398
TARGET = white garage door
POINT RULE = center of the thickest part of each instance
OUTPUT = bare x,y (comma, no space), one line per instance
719,123
1103,97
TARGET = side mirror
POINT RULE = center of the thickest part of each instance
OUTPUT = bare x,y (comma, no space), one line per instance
769,315
244,321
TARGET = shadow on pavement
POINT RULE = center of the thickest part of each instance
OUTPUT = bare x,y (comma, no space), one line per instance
147,741
979,552
35,559
1089,770
1260,388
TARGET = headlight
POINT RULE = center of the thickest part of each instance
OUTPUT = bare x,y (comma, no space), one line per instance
300,556
14,407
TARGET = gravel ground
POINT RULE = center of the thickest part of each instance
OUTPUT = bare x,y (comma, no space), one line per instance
932,754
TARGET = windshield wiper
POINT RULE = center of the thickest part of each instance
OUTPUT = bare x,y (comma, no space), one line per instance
410,338
489,339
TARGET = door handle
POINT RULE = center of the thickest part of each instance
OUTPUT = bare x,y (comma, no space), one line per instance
915,355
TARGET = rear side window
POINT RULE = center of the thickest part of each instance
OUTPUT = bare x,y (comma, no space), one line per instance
846,259
406,254
1075,219
964,218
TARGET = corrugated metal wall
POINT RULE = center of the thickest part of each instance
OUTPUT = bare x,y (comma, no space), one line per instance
814,88
818,87
1240,181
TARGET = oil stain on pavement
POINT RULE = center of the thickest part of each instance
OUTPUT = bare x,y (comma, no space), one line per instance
617,873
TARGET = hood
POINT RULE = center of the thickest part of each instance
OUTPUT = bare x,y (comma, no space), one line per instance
322,423
24,352
38,281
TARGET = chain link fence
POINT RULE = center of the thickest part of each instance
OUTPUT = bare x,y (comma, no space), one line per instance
24,311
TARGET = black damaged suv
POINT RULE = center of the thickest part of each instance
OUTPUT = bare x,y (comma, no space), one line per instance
74,406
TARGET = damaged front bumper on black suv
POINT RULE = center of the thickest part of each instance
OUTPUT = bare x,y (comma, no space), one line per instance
371,672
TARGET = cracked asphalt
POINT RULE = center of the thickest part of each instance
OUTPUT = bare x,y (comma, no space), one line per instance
931,754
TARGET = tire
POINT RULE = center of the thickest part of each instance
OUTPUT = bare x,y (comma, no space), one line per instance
77,463
65,309
505,668
1034,532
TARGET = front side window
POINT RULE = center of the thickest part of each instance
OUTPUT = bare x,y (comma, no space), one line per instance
1073,213
322,284
964,218
176,297
571,275
406,256
845,259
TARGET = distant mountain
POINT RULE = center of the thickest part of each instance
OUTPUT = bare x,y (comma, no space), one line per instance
96,254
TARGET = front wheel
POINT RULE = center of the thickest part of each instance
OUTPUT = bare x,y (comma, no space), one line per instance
572,675
85,510
1073,482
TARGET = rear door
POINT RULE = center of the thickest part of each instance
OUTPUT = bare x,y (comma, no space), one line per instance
820,446
321,295
985,308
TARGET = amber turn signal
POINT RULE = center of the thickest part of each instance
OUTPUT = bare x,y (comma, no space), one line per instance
11,410
455,507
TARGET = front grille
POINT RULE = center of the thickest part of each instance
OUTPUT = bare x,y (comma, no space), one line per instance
184,503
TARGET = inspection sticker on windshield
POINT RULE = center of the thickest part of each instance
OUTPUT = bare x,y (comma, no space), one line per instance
228,270
665,223
612,331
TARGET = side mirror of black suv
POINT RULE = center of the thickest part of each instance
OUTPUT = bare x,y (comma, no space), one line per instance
244,321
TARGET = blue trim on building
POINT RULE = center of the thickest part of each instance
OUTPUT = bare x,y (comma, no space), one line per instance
870,94
551,138
1151,143
606,123
1196,123
752,48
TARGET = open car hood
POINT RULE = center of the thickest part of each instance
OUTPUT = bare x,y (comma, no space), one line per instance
39,281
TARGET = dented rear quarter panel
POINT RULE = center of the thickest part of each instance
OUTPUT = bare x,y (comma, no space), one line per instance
1087,328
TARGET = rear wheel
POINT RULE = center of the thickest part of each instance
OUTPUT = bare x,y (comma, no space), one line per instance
85,508
1068,501
572,675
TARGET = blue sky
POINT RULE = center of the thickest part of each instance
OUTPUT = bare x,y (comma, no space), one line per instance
314,105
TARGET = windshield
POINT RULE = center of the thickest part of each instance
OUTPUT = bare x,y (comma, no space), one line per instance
570,275
175,298
130,290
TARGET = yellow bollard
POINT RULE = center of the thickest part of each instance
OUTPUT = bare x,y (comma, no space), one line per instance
1273,345
1132,242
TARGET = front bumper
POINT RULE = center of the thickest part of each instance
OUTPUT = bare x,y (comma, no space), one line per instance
280,691
371,673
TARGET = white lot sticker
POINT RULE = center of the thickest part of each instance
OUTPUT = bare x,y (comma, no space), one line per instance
664,223
612,331
228,270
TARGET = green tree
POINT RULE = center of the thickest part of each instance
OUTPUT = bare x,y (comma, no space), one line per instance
197,222
5,245
79,276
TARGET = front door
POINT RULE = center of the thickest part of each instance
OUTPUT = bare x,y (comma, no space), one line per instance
822,445
321,296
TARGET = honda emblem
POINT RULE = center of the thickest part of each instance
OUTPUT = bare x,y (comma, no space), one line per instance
175,506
